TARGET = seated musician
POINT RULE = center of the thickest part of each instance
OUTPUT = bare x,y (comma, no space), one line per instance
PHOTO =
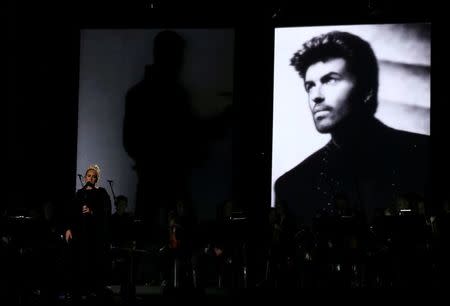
121,224
181,223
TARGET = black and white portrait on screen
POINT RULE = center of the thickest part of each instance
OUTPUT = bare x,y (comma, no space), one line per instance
346,127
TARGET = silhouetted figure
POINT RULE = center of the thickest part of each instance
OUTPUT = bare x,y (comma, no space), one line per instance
176,265
229,245
121,223
340,244
125,256
280,265
158,132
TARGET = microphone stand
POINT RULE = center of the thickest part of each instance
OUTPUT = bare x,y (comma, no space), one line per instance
81,181
112,190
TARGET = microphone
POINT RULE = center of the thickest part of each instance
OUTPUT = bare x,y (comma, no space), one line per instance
88,184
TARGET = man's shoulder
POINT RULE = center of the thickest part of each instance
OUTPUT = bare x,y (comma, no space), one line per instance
406,140
137,89
304,170
410,136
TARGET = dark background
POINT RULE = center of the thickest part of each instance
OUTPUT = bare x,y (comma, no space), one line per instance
43,68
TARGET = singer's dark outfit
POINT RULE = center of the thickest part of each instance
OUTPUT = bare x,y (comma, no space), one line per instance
91,238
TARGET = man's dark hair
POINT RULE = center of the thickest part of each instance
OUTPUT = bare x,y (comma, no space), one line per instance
359,56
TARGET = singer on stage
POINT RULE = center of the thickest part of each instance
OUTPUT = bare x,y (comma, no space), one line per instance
87,233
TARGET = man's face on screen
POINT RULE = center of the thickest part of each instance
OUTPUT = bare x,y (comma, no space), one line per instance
330,86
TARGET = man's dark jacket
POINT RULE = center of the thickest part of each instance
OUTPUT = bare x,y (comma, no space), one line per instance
380,164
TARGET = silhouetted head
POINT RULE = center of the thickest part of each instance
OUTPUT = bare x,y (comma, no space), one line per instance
446,206
401,202
340,73
168,50
121,204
